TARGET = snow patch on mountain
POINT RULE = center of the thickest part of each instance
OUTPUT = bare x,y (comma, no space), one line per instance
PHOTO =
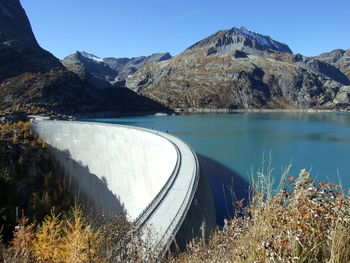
90,56
262,40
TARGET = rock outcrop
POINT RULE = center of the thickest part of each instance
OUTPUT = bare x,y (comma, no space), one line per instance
236,69
315,65
338,58
33,81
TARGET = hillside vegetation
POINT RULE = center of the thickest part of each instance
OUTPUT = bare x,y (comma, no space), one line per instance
29,179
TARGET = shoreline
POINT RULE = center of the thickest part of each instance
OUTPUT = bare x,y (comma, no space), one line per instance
176,111
203,110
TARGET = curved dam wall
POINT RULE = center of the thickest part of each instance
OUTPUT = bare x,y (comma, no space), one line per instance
132,164
152,177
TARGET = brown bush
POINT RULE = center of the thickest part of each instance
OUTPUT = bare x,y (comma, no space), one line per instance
303,222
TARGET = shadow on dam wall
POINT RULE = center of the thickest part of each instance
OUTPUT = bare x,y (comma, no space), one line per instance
222,182
87,187
226,185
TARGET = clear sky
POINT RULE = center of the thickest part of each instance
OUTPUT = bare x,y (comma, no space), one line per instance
116,28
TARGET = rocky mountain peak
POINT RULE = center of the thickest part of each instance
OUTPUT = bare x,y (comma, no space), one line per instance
265,42
227,42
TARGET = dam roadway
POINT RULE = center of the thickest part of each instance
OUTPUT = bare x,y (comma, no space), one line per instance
151,177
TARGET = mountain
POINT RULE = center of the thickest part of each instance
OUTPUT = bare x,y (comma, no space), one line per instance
338,58
19,50
240,42
33,81
228,42
128,66
91,69
107,72
315,65
237,68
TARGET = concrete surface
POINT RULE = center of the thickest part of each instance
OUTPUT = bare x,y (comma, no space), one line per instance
150,176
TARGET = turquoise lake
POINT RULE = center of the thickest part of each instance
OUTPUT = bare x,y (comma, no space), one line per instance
235,145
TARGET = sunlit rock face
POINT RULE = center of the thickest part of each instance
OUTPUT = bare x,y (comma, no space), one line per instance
338,58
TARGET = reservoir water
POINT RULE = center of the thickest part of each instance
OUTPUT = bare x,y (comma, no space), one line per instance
233,146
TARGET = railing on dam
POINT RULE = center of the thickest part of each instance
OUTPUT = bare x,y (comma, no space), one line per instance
182,212
182,189
91,143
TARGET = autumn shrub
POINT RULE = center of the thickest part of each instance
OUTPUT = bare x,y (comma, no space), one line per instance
73,238
81,243
61,239
22,243
303,222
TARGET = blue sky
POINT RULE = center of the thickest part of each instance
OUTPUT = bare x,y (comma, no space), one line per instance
119,28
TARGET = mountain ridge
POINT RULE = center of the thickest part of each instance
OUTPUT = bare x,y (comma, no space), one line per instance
107,72
339,58
236,69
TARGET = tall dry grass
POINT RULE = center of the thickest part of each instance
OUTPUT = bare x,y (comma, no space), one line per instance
302,222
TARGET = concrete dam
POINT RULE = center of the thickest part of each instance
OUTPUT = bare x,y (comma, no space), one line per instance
151,177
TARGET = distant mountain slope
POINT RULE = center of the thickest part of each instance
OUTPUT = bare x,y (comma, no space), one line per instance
338,58
107,72
128,66
240,69
34,81
315,65
91,69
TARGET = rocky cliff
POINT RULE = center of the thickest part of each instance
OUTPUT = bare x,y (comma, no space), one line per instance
237,68
19,50
338,58
33,81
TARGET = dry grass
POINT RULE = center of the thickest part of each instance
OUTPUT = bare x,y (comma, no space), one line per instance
303,222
